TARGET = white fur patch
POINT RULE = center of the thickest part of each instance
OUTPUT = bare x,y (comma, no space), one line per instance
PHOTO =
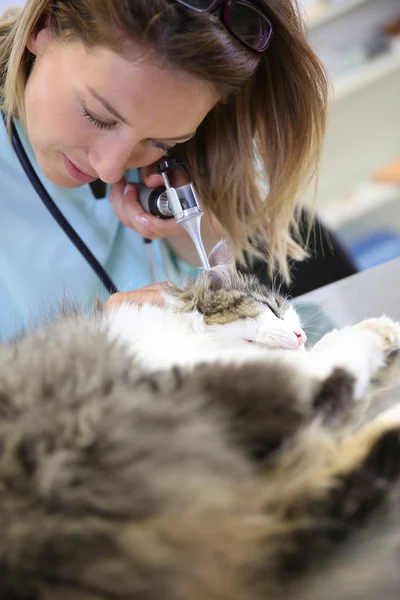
160,339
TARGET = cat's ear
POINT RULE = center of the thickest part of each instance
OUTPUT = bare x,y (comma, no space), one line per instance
222,263
221,256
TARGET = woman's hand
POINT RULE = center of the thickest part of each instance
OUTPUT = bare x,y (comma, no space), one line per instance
129,211
124,200
150,294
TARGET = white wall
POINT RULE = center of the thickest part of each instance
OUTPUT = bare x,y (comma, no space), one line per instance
364,124
363,134
6,3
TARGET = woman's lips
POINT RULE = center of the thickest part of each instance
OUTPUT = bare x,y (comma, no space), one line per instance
76,173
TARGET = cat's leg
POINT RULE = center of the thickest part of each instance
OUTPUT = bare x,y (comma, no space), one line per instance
390,415
264,405
367,351
325,493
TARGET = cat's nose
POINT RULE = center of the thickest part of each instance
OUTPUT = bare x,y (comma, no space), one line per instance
300,335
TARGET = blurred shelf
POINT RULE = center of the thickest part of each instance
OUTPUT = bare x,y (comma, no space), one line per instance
334,12
368,73
366,198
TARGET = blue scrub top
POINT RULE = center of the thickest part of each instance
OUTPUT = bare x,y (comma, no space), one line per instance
39,265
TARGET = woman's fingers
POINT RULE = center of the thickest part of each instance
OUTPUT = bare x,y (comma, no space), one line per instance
124,200
150,294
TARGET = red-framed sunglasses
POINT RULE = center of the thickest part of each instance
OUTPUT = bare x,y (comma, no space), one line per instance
245,21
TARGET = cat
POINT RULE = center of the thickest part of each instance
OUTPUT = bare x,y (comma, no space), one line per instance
193,451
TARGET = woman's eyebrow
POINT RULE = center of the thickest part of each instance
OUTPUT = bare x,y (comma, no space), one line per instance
107,105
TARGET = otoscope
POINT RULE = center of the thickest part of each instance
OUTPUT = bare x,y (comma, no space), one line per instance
178,202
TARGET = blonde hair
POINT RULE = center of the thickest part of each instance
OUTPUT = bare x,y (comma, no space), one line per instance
269,124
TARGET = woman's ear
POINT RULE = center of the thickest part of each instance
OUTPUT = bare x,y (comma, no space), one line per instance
38,41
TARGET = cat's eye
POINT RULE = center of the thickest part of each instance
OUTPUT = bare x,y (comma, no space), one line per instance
273,310
264,302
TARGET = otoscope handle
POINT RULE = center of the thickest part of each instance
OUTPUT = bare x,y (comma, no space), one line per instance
155,201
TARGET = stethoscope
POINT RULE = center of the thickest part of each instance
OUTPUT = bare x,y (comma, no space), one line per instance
164,202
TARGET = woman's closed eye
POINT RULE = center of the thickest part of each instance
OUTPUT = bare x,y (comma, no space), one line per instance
160,146
97,122
103,125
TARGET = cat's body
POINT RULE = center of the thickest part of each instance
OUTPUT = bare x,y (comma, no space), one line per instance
170,453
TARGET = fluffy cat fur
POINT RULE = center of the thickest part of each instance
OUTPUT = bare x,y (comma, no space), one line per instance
182,453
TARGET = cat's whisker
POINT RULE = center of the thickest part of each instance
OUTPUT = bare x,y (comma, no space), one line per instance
319,314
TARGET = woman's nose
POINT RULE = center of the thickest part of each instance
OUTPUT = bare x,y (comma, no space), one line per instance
110,161
300,335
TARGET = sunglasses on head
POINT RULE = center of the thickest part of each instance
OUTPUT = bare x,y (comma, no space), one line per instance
245,21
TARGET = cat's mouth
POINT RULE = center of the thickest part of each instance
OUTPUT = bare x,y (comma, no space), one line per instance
258,344
271,346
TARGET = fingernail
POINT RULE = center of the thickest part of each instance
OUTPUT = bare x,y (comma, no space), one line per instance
142,220
128,188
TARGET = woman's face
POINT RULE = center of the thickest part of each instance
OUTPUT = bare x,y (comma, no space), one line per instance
93,114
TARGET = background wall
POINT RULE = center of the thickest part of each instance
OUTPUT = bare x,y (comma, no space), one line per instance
6,3
357,41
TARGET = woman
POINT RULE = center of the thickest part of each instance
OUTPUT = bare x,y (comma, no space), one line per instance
97,89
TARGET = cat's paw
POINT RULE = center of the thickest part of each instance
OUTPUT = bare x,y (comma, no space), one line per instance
388,333
387,330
